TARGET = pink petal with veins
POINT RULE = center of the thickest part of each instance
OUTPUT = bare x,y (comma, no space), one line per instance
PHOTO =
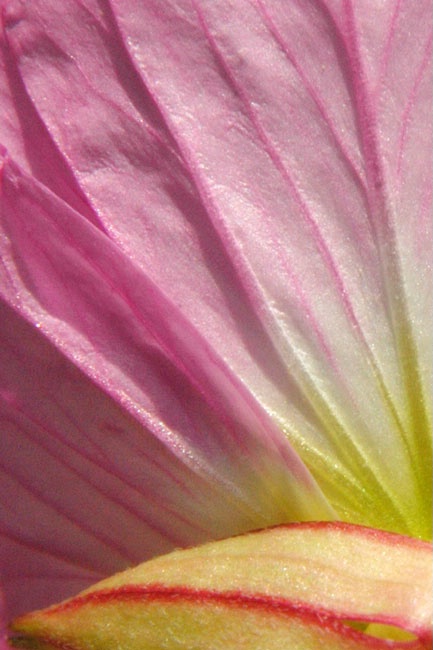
114,326
216,255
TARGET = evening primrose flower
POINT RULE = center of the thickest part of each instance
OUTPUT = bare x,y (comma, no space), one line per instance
215,295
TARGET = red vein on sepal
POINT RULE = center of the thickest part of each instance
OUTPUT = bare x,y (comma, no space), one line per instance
349,529
271,605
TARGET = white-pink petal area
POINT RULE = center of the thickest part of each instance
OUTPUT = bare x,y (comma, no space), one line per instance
290,154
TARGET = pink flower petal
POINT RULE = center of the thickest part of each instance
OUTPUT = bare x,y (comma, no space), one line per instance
114,138
106,317
249,158
257,172
27,139
291,156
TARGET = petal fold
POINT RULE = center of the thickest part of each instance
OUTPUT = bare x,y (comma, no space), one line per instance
133,414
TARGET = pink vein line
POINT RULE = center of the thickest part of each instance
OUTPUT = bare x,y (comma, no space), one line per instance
312,92
406,118
321,243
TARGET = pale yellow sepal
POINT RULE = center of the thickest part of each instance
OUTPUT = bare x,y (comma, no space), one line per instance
303,586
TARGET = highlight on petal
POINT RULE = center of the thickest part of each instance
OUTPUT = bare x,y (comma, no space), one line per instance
312,586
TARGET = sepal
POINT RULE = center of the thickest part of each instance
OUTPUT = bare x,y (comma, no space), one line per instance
304,585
